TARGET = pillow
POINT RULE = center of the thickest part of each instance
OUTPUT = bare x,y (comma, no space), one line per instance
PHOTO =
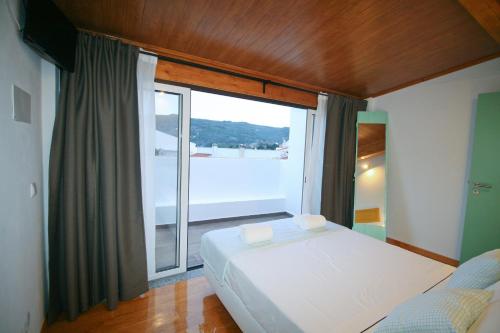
489,320
445,310
478,272
495,288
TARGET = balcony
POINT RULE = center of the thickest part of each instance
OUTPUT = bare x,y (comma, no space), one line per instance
224,191
227,187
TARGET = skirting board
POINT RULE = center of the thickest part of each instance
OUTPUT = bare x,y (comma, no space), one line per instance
423,252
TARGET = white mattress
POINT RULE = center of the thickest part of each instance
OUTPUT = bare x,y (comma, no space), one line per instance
334,280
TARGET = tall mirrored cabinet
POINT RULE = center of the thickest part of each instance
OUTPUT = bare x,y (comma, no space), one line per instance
370,193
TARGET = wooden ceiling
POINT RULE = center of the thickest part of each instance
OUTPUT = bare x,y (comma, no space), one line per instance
360,47
371,140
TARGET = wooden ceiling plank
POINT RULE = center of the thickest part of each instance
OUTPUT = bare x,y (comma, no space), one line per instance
371,140
358,47
73,9
487,13
152,21
438,74
215,64
134,14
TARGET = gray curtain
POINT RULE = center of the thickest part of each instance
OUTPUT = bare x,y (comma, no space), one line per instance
337,192
96,231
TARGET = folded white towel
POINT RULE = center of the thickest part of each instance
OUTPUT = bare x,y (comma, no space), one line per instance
256,233
307,221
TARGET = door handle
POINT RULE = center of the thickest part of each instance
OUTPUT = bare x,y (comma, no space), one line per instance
477,187
481,185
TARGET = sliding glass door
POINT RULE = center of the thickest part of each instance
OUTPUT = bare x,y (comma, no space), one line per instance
246,163
166,234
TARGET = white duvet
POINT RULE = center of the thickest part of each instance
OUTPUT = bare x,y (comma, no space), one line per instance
331,281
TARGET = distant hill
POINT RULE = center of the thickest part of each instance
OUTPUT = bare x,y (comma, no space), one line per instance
226,134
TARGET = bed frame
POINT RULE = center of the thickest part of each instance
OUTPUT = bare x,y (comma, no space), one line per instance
233,304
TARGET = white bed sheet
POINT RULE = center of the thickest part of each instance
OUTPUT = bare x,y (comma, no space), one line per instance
218,246
335,280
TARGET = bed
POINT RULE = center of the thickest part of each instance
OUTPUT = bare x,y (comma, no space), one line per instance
327,280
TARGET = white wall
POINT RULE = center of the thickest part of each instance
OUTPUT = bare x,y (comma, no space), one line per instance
232,179
21,232
370,184
220,179
221,187
430,128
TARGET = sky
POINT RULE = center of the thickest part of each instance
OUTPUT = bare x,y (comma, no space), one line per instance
218,107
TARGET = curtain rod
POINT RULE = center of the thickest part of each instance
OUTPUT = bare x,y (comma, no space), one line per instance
223,71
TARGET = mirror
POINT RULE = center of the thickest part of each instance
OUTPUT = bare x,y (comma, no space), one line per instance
370,175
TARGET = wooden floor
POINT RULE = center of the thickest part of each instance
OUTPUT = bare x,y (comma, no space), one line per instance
187,306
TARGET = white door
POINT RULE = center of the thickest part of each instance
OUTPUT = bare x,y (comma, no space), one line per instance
167,169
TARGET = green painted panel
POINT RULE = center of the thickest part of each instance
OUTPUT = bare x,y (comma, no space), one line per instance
374,231
482,218
378,117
